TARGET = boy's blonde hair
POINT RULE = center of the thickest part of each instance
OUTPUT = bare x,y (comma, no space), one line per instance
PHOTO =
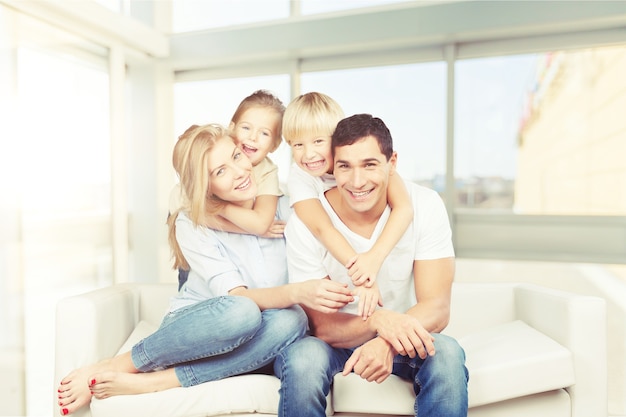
262,98
311,114
191,162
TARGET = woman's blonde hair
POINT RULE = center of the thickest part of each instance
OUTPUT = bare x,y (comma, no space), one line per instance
191,162
311,114
263,98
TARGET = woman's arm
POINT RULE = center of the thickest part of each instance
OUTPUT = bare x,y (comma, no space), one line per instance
321,295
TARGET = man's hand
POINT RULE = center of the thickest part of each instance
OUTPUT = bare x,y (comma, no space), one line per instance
323,295
372,361
404,333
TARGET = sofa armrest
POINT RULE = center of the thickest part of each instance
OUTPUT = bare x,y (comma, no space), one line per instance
577,322
91,327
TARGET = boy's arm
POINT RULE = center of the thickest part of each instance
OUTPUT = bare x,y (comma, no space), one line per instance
255,221
365,267
316,219
368,300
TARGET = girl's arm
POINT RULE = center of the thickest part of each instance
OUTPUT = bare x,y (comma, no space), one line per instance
365,267
255,221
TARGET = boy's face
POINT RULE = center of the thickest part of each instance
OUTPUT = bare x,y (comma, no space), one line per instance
313,154
362,172
255,132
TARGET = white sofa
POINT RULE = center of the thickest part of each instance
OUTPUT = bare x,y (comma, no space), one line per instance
531,351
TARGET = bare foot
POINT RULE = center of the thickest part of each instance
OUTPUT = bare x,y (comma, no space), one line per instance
74,390
109,384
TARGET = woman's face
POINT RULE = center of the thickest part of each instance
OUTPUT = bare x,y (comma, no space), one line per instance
230,173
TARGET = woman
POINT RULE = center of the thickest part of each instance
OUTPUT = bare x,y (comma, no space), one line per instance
236,311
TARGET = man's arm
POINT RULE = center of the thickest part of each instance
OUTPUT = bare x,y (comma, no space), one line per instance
433,290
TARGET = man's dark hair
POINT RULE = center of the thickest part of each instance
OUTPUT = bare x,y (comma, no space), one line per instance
354,128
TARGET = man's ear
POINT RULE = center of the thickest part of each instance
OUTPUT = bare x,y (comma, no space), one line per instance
393,161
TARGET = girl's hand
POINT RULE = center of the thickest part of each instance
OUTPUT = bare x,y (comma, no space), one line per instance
276,230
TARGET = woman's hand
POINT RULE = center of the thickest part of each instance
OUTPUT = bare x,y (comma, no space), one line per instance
323,295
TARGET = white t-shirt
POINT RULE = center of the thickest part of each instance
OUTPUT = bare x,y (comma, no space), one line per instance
304,186
220,261
427,237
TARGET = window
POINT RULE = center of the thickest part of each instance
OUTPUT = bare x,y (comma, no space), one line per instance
324,6
542,134
190,15
489,105
56,176
215,101
410,99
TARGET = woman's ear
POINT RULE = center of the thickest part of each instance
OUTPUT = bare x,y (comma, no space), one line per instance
231,126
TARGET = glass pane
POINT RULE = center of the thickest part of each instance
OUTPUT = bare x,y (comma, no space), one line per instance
215,101
190,15
58,182
543,134
489,104
572,140
324,6
410,99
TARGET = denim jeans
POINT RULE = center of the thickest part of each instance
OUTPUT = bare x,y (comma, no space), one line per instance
218,338
306,369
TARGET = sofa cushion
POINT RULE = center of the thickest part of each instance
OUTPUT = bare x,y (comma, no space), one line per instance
512,360
505,361
239,394
252,393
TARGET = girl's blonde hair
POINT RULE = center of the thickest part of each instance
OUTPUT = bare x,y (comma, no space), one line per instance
311,114
263,98
191,162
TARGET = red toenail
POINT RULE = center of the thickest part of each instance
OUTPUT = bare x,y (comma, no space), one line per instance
65,411
93,382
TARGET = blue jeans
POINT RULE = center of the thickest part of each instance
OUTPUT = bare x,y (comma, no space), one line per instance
306,369
218,338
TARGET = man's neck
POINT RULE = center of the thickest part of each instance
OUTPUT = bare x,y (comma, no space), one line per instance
361,223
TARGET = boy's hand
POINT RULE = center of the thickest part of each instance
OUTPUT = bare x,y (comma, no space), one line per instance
368,299
363,268
276,230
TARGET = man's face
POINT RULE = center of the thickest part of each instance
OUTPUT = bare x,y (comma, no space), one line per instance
362,173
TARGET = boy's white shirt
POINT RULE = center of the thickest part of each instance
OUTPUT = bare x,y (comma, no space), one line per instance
303,186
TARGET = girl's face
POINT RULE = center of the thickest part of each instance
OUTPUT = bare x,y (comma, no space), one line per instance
230,173
313,154
255,132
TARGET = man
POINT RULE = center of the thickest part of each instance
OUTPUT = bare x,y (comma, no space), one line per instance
415,281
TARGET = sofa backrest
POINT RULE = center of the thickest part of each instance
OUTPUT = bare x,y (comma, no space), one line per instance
477,306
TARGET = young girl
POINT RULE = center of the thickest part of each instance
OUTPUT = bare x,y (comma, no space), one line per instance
236,311
308,124
256,126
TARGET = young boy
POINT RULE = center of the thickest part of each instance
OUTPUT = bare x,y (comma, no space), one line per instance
308,123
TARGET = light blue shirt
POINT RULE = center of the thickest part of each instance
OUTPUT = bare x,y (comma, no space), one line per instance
220,261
